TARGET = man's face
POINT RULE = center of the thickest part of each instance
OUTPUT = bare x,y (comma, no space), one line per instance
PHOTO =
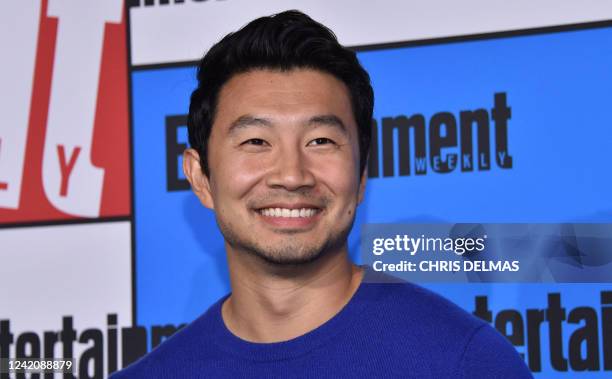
284,165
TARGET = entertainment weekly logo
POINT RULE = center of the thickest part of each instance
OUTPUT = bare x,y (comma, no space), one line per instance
64,136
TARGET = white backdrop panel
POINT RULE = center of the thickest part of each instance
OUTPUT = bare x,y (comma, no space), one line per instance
183,32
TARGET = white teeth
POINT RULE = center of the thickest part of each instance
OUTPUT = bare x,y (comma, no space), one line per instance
290,213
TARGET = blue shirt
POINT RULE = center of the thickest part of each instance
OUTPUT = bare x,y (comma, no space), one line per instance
386,330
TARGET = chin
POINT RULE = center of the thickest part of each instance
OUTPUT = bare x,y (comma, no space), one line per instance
287,256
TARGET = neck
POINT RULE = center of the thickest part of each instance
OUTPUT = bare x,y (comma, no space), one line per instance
272,303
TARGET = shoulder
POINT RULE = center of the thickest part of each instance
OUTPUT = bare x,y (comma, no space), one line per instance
489,354
410,303
422,323
173,356
424,311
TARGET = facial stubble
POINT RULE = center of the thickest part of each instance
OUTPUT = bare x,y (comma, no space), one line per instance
293,252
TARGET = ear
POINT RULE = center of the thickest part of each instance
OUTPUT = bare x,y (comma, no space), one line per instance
200,185
362,185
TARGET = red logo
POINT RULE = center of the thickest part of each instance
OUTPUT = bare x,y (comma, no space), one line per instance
64,136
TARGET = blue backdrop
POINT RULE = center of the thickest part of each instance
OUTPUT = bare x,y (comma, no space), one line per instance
558,87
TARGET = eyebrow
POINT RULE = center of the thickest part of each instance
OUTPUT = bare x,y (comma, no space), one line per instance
328,120
246,121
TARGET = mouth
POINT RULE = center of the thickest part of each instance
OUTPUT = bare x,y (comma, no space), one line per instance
298,216
289,212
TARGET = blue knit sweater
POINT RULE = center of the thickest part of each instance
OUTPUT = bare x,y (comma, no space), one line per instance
386,330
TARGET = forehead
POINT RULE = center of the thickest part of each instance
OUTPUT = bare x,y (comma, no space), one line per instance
292,95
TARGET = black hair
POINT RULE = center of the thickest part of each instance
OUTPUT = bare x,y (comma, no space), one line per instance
285,41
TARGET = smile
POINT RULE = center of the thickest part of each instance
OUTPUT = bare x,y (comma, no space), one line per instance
289,213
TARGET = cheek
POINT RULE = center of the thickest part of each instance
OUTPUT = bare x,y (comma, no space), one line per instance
340,176
341,172
233,174
237,176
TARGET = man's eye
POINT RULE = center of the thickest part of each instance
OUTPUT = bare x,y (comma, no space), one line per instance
321,141
254,141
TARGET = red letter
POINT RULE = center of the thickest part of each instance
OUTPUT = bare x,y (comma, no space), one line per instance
66,169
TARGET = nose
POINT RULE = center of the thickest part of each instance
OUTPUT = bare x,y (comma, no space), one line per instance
291,170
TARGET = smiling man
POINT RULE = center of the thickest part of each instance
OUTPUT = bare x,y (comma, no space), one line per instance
279,128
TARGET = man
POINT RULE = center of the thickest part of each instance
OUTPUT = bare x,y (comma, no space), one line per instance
279,128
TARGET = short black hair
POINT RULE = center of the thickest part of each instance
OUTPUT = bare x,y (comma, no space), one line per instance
284,41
